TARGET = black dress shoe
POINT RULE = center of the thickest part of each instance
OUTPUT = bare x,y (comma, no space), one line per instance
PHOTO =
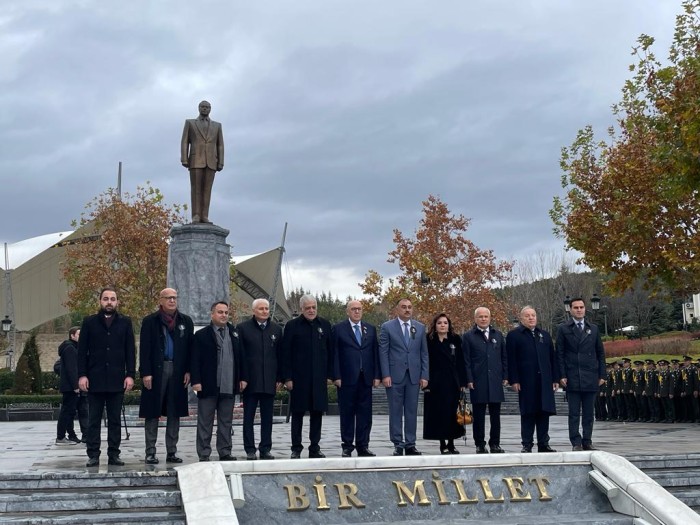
398,451
151,459
296,454
250,456
203,458
93,462
496,449
481,449
317,455
116,461
227,457
365,453
347,453
577,448
526,449
413,451
172,458
266,455
452,450
545,448
589,446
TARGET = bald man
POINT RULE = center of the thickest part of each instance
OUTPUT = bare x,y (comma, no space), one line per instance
167,336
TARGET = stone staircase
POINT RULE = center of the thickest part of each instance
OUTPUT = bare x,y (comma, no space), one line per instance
80,498
678,474
508,407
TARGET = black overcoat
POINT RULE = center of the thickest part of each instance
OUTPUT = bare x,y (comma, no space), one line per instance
106,355
486,364
307,360
531,363
205,354
152,348
262,355
68,352
447,376
580,356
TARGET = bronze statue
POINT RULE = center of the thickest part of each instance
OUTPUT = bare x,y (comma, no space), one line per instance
202,152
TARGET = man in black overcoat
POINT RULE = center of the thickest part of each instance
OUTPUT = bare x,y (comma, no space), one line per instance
581,359
532,372
167,336
356,371
484,350
72,398
307,365
219,372
262,340
106,366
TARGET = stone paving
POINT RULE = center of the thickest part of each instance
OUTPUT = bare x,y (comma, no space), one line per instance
30,446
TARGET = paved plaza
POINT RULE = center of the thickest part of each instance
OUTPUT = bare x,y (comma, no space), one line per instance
29,446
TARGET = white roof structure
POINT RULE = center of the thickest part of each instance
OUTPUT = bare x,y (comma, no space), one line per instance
39,292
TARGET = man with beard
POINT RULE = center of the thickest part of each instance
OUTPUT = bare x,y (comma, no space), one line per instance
532,371
307,365
106,366
262,340
166,344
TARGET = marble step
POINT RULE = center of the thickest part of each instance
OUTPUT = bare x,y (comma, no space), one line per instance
666,461
570,519
67,480
88,499
688,496
122,517
677,477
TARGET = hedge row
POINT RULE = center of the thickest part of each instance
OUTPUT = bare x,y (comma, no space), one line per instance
131,398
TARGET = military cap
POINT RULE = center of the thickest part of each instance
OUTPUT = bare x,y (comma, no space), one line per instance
687,358
662,362
675,361
649,361
639,362
626,360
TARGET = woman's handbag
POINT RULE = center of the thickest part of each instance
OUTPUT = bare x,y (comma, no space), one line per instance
464,411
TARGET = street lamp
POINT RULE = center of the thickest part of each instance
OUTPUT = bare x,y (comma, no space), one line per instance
595,302
6,327
604,309
7,324
567,304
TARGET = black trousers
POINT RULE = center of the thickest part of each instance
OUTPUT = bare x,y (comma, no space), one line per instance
528,423
355,405
112,402
479,423
67,415
315,420
580,413
250,403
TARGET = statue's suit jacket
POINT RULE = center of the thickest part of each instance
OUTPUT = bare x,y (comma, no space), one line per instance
202,148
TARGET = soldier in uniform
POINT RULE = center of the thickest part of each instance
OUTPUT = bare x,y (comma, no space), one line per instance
618,392
601,411
649,394
628,390
677,400
638,388
610,393
687,387
665,390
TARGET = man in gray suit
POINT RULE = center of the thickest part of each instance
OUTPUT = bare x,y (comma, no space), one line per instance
403,359
202,152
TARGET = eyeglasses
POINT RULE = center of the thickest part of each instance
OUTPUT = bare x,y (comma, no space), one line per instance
170,298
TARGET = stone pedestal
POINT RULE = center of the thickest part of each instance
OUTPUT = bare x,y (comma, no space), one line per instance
198,268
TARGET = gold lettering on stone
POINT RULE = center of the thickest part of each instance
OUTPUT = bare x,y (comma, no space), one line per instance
488,495
515,487
440,487
320,489
418,489
296,497
463,498
541,482
347,494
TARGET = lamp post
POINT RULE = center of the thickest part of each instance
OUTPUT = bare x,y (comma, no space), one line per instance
6,328
604,309
595,306
567,305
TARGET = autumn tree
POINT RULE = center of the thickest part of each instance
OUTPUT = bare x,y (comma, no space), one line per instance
441,270
125,245
632,202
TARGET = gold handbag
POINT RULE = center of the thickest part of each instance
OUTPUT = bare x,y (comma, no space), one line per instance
464,411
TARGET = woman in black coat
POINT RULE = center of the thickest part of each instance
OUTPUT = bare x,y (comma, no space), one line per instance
447,379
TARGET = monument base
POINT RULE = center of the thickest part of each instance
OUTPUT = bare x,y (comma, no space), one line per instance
199,261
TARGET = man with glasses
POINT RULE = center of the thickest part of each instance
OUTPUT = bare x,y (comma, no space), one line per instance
167,336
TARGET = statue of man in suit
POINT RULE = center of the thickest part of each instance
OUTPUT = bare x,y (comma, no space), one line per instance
202,152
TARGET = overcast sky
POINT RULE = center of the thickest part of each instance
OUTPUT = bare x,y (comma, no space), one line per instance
339,117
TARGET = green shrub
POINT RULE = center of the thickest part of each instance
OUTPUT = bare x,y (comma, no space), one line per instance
7,380
55,400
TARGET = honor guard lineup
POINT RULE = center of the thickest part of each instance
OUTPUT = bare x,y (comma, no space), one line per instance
650,392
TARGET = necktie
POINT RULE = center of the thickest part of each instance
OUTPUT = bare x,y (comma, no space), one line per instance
580,326
221,333
486,335
405,333
358,336
262,326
